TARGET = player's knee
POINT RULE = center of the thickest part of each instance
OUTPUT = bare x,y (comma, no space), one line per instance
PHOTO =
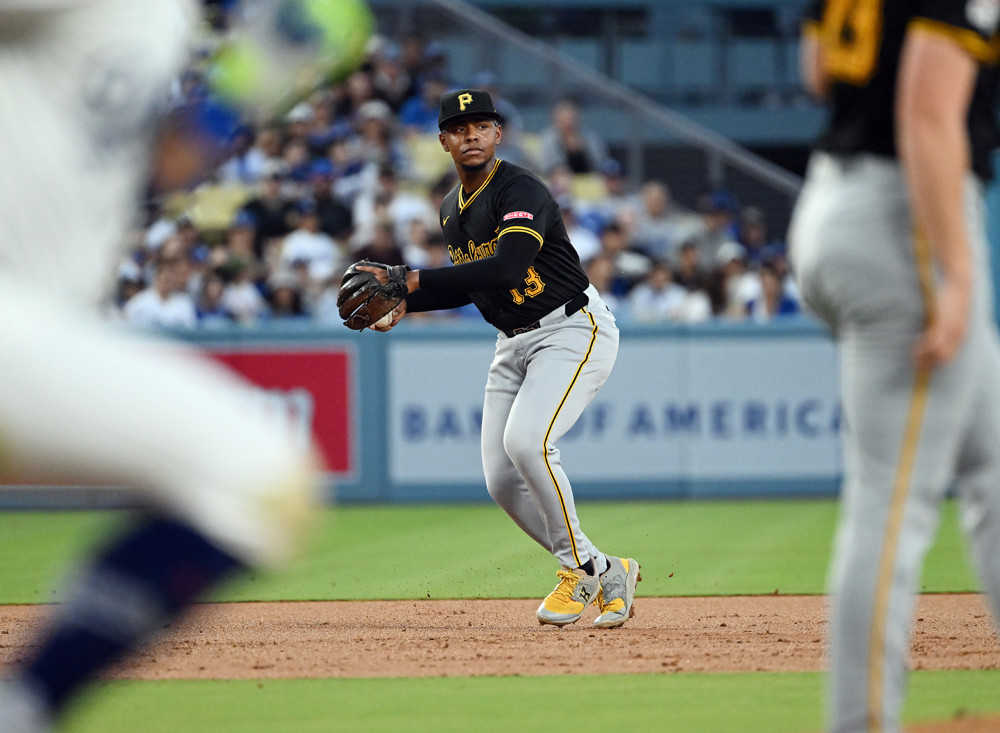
289,507
262,514
496,469
293,512
523,447
498,489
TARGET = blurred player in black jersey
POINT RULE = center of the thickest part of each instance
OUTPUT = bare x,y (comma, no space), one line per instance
889,248
556,345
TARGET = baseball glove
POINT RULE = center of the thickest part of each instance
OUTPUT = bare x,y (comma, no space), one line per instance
363,300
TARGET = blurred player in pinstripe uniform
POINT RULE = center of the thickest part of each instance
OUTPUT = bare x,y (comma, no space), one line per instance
83,92
889,248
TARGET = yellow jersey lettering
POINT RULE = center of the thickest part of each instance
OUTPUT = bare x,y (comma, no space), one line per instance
851,33
533,286
472,251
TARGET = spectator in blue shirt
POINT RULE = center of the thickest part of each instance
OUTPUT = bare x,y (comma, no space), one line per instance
419,113
773,300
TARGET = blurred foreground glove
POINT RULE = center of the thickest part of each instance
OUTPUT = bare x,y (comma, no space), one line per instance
276,53
363,300
282,50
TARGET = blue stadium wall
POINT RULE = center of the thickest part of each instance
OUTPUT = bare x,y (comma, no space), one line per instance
708,411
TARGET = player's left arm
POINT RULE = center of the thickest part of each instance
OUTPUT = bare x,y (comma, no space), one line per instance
502,270
192,140
936,79
522,214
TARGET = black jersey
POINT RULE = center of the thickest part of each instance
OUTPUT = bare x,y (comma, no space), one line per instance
511,204
862,41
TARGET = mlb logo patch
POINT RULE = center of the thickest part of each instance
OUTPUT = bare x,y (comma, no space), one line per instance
518,215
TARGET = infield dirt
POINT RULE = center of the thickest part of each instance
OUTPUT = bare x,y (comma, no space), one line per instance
501,637
450,638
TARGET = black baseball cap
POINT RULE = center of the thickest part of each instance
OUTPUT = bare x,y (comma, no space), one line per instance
466,103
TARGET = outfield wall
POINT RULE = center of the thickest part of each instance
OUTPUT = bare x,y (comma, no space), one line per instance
707,411
713,410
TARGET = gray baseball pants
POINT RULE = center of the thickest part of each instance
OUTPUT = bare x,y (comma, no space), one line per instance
538,386
910,435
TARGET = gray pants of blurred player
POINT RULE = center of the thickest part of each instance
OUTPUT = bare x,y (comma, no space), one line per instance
910,435
538,386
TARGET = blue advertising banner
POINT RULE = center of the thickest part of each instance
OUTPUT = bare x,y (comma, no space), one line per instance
677,411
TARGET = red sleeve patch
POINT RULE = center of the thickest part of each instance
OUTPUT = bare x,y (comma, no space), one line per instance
518,215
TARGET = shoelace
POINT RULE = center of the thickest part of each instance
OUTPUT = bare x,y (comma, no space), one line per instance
567,584
606,606
600,601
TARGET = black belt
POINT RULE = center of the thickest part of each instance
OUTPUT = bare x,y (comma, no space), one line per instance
570,308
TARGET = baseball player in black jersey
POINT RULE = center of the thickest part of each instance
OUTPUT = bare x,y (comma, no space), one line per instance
889,248
556,344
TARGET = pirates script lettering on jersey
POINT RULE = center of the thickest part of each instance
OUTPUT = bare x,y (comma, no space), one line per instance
472,251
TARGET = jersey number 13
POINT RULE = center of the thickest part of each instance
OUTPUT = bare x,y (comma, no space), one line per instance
533,285
850,32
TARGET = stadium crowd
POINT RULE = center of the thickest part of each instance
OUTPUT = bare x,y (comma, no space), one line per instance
356,171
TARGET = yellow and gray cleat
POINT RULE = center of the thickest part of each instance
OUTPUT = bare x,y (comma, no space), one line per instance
564,605
617,592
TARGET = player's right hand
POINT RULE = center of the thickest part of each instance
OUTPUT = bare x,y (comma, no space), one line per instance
943,335
397,315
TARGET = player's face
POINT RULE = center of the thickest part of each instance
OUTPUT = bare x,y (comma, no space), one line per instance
472,142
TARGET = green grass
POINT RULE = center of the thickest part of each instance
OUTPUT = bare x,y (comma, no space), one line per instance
683,703
475,551
37,549
358,552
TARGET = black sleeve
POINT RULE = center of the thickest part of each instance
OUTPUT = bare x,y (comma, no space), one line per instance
504,269
963,20
420,301
813,12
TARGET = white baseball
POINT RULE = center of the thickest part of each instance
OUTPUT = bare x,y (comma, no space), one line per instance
385,320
